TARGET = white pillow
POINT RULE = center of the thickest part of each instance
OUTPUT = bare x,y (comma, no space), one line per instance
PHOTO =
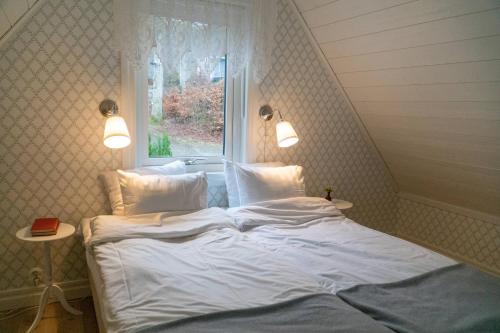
112,185
172,168
161,193
233,195
269,183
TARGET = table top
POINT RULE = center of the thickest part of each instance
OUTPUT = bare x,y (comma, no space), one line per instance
64,230
342,204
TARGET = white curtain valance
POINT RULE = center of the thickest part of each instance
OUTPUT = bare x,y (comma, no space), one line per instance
203,30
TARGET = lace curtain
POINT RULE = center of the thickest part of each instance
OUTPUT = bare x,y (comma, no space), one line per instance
201,30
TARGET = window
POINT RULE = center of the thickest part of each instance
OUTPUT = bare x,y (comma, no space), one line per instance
184,75
186,108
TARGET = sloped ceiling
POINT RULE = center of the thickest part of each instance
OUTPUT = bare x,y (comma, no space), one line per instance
424,76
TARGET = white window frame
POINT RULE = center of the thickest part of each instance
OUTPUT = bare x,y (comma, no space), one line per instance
235,110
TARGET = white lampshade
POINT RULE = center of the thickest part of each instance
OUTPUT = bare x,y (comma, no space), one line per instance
286,134
116,133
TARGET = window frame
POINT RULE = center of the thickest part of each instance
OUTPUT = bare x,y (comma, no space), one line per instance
235,109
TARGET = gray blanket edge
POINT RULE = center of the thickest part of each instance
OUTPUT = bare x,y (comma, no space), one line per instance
457,298
315,313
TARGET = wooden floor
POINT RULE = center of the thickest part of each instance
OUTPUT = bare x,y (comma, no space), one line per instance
55,319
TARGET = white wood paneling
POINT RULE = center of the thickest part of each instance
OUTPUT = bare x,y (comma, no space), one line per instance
424,76
481,49
437,133
464,110
400,16
305,5
480,128
448,73
478,91
410,141
447,154
475,177
345,9
490,173
442,31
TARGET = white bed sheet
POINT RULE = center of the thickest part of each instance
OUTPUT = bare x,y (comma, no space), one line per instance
342,253
98,285
95,275
338,251
148,281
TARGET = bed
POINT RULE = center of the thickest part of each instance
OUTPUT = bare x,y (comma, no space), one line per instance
295,264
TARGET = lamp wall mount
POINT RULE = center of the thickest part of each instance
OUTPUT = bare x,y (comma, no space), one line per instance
285,134
108,108
116,134
266,112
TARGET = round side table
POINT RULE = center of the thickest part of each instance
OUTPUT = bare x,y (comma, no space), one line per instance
65,230
342,204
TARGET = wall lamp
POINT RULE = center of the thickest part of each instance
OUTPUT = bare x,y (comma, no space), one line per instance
115,131
285,133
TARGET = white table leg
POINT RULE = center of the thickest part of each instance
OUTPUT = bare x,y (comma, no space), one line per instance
43,302
60,297
48,263
50,286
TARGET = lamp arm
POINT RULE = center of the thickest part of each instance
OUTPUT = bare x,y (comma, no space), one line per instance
279,113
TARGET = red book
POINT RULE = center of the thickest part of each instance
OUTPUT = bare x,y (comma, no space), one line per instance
45,226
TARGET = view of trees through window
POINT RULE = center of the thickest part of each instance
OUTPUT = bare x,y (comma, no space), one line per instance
186,109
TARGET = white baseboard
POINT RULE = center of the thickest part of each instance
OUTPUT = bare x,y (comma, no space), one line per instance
24,297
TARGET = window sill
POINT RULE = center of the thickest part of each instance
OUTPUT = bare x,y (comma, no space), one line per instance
215,167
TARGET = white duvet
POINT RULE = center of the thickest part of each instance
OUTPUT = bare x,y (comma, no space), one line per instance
337,251
158,268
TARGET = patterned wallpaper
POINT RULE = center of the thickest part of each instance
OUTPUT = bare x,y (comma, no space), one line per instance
470,239
60,65
331,148
54,73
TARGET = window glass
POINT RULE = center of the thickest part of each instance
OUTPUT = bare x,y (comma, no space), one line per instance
186,107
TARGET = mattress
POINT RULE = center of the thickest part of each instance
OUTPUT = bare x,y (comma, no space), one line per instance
96,283
159,268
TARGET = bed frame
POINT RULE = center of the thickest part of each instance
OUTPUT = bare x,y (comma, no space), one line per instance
97,303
